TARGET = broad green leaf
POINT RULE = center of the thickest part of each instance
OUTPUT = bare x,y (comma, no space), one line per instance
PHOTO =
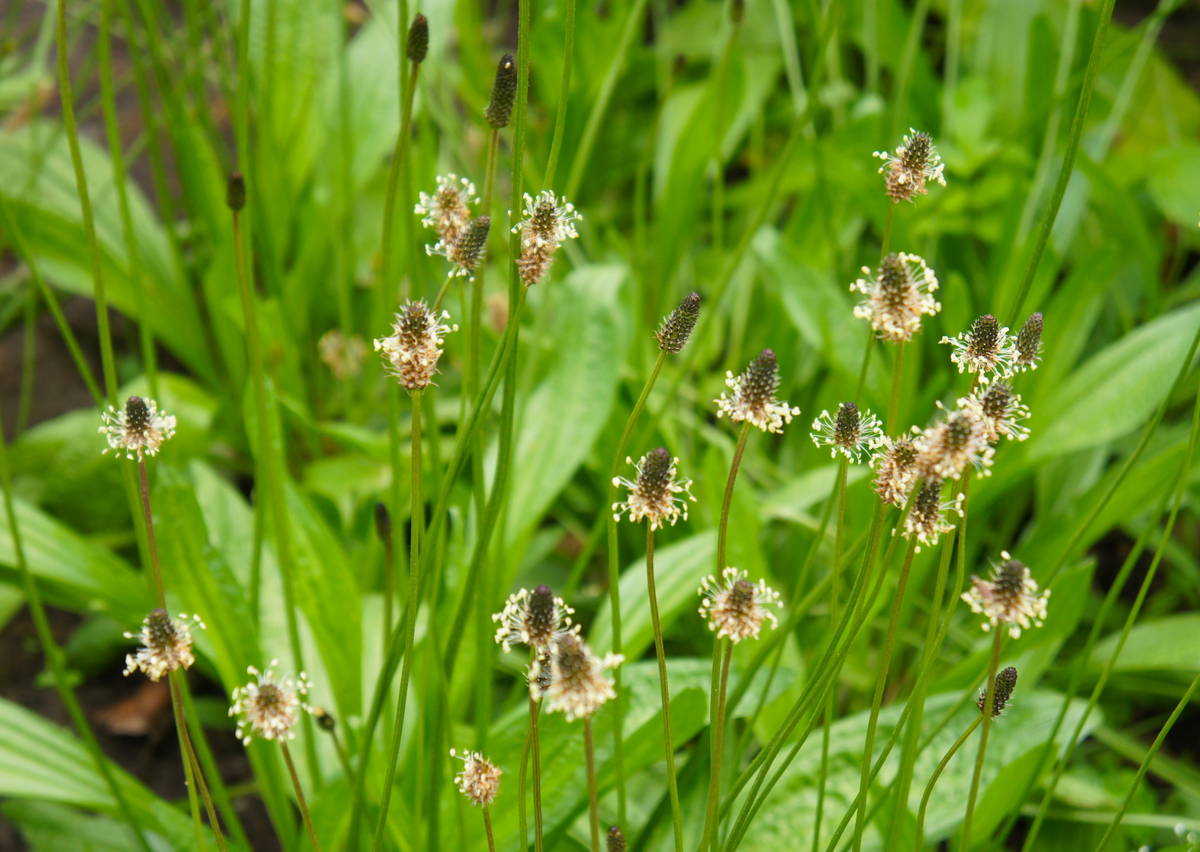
568,410
49,827
1174,182
1118,388
1168,644
678,570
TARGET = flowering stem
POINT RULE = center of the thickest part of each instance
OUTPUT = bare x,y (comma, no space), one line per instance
937,773
312,834
897,380
535,709
614,579
887,229
1101,619
723,526
560,121
1141,773
885,660
672,784
866,364
593,802
154,564
54,658
989,704
835,585
191,764
399,163
718,738
414,570
487,826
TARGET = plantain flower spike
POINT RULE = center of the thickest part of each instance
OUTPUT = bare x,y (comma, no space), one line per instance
1002,690
166,644
850,432
466,252
928,518
504,92
548,221
677,327
653,494
914,164
735,607
895,464
616,840
1010,597
479,780
533,618
417,45
1029,345
138,430
414,347
269,706
986,348
577,686
448,210
753,396
897,296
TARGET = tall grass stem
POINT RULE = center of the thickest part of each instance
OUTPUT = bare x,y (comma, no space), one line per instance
672,781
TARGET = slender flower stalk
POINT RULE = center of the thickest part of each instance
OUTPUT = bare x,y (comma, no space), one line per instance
479,781
589,748
303,802
990,708
672,782
937,773
914,164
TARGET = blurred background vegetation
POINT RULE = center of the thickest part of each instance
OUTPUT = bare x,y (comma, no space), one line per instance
701,158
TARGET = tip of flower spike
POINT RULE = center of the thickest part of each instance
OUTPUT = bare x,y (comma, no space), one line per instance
677,328
137,413
761,378
325,721
235,192
1006,682
504,92
418,40
616,840
1029,341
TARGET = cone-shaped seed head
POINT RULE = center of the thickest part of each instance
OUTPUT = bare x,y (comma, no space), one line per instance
958,431
760,379
616,840
504,92
996,401
916,151
985,335
677,328
383,522
137,418
1010,581
1006,682
893,279
847,427
470,247
1029,339
235,192
542,616
655,477
418,39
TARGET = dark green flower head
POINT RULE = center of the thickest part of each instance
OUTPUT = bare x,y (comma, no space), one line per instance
675,330
418,40
504,92
1006,682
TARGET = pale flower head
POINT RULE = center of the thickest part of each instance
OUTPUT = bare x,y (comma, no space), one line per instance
986,348
415,345
533,618
479,780
753,396
946,448
1010,597
914,163
895,464
448,210
465,252
138,430
166,644
999,410
578,684
897,296
850,432
655,493
269,707
343,357
547,222
929,516
735,607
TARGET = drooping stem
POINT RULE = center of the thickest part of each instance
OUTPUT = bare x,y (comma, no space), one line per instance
989,704
287,757
414,571
718,738
672,783
593,800
885,660
1141,773
727,501
614,581
937,773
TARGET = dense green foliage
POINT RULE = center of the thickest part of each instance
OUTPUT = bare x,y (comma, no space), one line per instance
700,159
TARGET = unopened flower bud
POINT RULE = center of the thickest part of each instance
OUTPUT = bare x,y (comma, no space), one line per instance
504,92
1029,343
418,40
616,840
235,192
675,330
1006,682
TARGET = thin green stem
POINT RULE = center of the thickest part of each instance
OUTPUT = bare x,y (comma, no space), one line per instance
937,773
413,605
1141,773
988,707
487,827
866,365
614,580
727,500
709,840
1064,175
672,782
287,757
1134,611
192,768
834,594
887,229
398,164
560,121
55,660
593,801
897,381
152,544
885,660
